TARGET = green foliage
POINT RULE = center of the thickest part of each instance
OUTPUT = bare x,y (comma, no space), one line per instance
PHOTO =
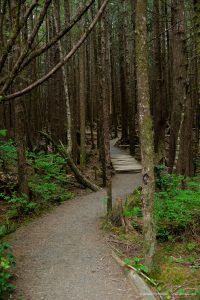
50,181
132,212
191,260
3,132
8,153
7,260
7,228
177,205
191,247
49,164
165,181
20,205
136,263
177,210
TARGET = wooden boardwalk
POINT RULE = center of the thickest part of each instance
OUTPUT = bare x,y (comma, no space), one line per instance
123,162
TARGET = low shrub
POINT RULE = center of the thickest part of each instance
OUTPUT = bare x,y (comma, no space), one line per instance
177,207
7,261
50,181
8,153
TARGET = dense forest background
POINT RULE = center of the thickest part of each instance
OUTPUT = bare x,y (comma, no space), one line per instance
35,37
75,74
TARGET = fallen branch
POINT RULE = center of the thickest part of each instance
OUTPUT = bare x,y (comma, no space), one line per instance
133,275
125,265
141,273
63,152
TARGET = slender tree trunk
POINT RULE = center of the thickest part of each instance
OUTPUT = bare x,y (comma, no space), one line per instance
19,111
157,86
82,106
105,89
123,85
133,90
179,77
146,133
23,188
64,76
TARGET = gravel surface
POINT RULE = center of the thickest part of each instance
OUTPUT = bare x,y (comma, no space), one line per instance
63,255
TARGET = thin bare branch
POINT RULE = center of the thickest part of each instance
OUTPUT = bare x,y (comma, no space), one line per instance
15,34
60,34
62,62
24,53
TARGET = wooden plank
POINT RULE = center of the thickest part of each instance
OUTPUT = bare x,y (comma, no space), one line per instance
122,157
128,166
133,160
125,163
128,170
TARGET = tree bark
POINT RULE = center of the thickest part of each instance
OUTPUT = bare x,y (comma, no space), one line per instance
146,133
64,76
23,188
179,77
82,106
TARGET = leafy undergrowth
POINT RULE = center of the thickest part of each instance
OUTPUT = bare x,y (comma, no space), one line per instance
48,182
7,261
49,185
177,213
177,270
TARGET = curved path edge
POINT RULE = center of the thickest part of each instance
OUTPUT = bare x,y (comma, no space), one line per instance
143,289
63,254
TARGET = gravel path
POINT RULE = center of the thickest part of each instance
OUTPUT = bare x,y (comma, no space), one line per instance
63,255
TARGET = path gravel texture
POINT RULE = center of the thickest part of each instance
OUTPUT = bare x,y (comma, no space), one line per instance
63,255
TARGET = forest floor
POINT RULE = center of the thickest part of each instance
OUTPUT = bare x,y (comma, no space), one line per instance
63,254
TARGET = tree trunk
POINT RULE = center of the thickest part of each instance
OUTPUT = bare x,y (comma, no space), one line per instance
146,133
23,188
133,90
82,106
105,102
64,76
157,86
179,77
122,69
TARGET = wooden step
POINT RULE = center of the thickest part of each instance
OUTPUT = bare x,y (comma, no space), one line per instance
127,169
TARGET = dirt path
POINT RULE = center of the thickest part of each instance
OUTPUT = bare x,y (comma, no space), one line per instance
63,255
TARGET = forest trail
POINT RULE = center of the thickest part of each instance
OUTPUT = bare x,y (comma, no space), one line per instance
122,161
63,255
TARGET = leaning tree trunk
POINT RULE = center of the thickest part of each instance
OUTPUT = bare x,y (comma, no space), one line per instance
146,133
